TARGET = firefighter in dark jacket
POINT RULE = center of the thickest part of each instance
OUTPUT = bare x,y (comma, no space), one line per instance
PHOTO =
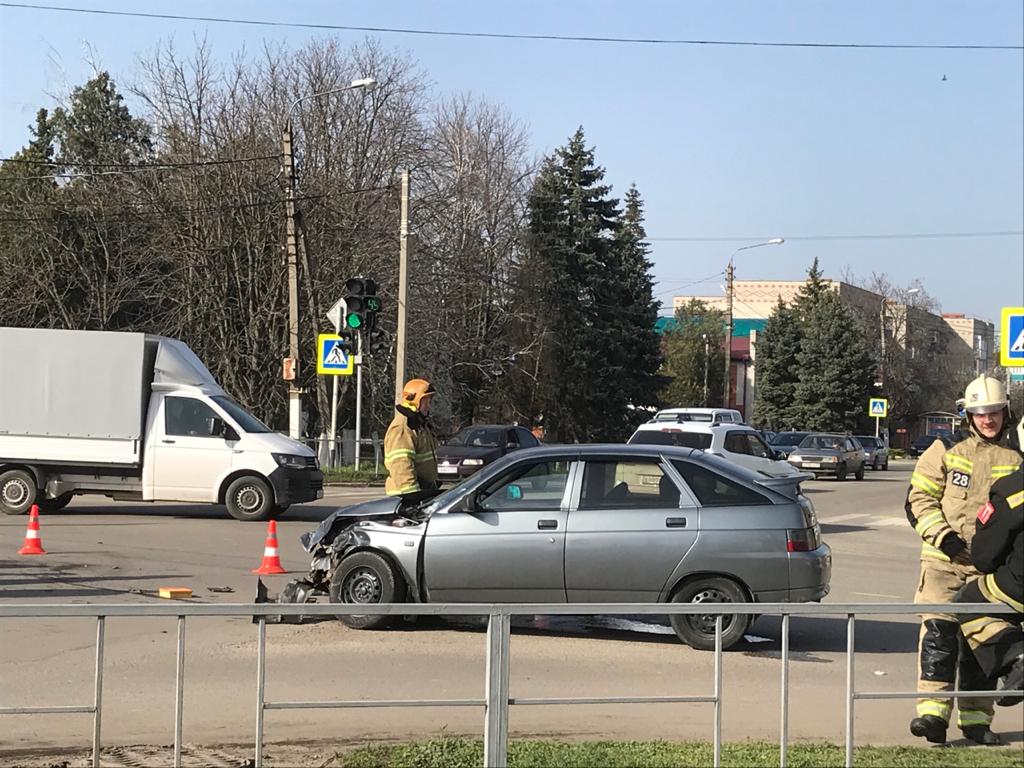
946,490
410,448
997,550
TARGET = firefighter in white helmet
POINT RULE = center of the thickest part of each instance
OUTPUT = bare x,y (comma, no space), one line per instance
946,490
410,448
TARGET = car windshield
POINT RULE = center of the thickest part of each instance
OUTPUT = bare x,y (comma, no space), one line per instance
245,420
475,437
789,438
822,443
869,442
682,439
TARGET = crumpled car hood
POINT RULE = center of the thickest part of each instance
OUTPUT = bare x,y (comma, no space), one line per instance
383,509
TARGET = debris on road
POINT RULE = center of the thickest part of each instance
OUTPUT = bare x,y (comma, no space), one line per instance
220,589
175,593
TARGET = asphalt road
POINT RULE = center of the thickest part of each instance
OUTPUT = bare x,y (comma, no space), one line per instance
105,552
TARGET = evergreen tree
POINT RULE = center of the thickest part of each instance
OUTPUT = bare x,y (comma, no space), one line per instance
588,264
775,368
835,368
688,358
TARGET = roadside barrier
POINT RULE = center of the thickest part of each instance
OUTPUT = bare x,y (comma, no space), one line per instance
496,700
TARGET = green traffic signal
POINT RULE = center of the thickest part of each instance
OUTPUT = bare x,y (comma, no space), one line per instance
372,304
354,320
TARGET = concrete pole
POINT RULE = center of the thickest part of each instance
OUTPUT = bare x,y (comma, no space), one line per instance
728,332
291,246
403,289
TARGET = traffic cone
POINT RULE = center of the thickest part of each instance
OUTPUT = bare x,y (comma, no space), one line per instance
33,544
271,562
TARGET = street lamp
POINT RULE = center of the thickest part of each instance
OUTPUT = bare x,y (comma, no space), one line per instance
728,312
294,393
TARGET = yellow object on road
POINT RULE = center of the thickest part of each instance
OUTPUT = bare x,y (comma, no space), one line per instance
175,593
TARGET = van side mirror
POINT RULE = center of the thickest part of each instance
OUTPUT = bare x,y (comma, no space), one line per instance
217,427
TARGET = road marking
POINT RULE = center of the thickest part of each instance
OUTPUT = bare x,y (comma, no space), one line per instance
872,594
893,521
843,518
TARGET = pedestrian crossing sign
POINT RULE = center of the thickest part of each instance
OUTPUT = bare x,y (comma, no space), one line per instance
1011,335
878,407
332,359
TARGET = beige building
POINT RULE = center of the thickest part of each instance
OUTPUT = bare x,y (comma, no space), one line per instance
978,339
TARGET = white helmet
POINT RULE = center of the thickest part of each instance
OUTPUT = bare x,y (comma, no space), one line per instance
985,395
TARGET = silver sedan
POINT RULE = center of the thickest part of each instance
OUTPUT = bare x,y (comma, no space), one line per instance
581,524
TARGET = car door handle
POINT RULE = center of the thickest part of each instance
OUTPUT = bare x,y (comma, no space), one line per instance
547,525
170,442
675,522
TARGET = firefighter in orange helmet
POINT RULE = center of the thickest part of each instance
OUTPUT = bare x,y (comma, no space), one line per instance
410,448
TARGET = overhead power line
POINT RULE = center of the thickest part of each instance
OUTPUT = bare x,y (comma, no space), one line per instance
140,166
906,236
506,35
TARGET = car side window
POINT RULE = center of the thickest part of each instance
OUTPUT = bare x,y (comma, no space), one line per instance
512,439
736,442
715,490
187,417
849,445
758,447
611,484
536,486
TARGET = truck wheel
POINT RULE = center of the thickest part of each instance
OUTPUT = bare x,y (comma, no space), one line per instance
697,630
366,578
55,505
18,492
250,498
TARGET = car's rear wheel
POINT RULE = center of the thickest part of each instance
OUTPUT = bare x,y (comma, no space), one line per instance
366,578
841,472
860,472
698,630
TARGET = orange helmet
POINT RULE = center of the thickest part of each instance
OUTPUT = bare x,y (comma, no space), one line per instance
414,392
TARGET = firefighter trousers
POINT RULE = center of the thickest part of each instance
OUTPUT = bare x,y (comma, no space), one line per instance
996,641
943,654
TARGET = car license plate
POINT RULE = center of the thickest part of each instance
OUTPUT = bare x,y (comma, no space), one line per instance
812,464
447,469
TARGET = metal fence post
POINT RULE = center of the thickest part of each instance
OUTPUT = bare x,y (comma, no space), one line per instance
784,736
97,700
179,691
496,710
849,689
261,682
718,691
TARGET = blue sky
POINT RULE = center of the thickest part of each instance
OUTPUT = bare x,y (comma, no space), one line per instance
721,141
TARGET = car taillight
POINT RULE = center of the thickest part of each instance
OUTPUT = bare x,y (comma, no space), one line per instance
802,539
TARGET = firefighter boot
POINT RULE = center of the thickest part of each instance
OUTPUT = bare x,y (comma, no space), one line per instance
931,727
981,734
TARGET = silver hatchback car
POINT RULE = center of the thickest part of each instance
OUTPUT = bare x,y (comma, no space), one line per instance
581,524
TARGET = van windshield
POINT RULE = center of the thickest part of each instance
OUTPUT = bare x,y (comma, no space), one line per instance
245,420
682,439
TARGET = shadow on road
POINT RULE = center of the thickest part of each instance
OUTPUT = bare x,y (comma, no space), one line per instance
827,528
308,513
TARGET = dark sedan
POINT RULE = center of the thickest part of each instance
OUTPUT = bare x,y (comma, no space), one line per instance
922,443
474,447
786,442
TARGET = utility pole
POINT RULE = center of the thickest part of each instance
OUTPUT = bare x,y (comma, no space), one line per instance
728,332
403,289
881,362
291,246
707,354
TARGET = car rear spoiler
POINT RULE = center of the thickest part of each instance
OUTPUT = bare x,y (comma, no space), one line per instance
787,485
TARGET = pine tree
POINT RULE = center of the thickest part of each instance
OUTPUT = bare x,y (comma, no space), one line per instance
588,263
775,368
688,358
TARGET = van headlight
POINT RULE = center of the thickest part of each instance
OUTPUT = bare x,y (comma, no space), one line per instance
289,461
472,462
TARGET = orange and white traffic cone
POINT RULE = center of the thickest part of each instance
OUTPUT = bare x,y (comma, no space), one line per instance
271,561
33,544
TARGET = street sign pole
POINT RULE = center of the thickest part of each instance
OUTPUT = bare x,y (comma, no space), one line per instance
878,421
359,392
335,314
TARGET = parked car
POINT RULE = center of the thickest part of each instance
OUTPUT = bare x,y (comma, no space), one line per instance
825,453
785,442
737,443
922,443
876,452
474,447
561,524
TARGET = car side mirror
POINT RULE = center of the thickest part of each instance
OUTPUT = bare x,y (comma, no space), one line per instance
470,503
511,446
230,435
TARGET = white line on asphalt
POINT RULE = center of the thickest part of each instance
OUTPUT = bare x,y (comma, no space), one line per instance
872,594
842,518
893,521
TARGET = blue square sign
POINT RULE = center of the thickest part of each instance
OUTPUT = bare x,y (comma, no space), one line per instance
332,356
1011,332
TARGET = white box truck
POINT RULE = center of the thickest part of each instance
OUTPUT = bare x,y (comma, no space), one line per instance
135,417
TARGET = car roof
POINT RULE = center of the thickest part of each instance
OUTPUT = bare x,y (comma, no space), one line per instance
492,426
702,427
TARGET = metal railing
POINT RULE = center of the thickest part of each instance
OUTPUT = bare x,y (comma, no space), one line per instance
496,700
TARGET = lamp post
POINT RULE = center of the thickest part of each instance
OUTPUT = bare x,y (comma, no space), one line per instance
728,311
291,247
707,352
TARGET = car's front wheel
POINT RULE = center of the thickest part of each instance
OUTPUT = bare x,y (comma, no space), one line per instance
366,578
841,472
698,630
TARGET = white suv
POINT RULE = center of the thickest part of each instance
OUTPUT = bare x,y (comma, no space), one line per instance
738,443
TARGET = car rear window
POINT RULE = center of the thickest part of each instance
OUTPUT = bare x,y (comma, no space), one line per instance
715,490
665,437
868,442
789,438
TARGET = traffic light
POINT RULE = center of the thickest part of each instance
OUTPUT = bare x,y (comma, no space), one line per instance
363,304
